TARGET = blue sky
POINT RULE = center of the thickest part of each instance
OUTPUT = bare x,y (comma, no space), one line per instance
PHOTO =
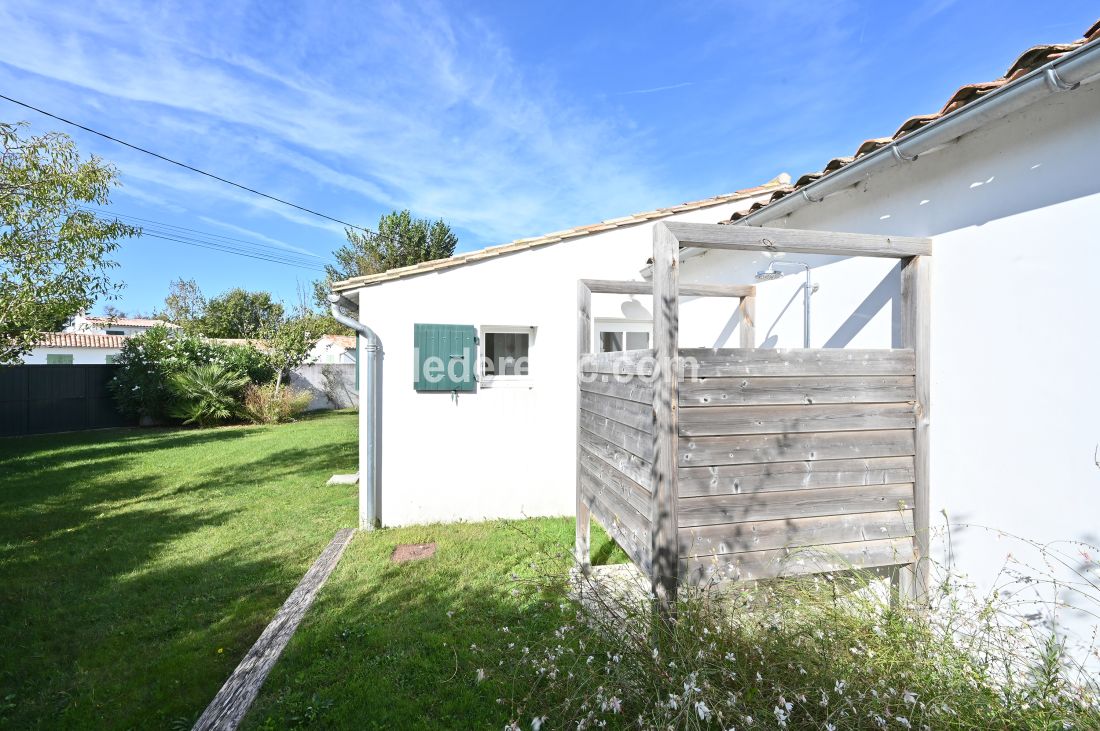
507,119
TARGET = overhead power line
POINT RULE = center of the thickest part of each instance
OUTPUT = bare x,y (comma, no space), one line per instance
192,168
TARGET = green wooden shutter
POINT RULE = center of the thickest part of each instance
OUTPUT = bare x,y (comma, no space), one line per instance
59,359
445,357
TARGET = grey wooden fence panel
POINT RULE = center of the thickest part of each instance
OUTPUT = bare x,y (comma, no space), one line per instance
796,390
770,476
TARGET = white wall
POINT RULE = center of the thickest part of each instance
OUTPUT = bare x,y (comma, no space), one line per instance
502,451
80,355
1014,212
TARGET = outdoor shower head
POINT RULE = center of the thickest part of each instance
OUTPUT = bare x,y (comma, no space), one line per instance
768,274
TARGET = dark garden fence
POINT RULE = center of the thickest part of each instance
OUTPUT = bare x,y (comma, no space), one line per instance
40,399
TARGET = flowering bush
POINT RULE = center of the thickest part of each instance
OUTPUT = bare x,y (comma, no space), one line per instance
827,652
267,405
141,385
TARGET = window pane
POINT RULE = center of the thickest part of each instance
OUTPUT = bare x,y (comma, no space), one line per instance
611,342
637,341
59,359
111,359
116,332
506,354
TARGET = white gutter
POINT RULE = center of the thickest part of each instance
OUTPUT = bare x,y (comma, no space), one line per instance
1061,74
370,442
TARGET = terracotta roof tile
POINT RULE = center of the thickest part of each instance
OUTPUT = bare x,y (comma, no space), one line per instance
79,340
1028,61
130,321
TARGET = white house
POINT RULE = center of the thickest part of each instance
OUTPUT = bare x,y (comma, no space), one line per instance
113,325
505,449
331,349
73,348
1005,181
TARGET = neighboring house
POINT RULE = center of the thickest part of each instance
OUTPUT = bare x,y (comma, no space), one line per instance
113,326
72,348
506,448
1004,179
333,349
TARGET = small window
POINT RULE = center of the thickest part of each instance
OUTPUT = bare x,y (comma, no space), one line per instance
506,354
111,359
59,359
116,332
617,335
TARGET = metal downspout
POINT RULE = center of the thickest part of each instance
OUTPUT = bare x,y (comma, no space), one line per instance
370,443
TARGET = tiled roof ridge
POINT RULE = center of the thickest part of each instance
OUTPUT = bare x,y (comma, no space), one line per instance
79,340
130,321
1027,62
556,237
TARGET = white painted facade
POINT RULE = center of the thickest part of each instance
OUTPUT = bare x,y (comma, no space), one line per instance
81,356
508,449
1015,399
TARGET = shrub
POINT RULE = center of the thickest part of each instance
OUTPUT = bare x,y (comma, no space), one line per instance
262,405
826,652
206,394
141,385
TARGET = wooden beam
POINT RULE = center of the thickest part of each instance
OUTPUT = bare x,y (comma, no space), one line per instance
748,320
235,697
607,286
797,241
584,339
916,318
666,315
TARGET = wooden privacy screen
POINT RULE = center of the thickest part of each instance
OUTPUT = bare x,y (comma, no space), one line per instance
794,462
719,465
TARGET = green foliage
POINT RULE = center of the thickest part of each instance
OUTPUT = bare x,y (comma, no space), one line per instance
185,304
54,256
206,394
401,241
141,385
268,404
241,314
289,344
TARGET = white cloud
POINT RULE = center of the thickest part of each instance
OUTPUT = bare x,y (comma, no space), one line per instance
399,107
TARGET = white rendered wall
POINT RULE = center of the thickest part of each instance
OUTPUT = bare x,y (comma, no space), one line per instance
80,355
502,451
1015,402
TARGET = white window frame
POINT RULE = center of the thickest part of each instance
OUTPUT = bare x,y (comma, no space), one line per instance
493,381
623,325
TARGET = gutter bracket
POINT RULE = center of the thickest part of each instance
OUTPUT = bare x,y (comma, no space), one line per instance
1056,82
901,156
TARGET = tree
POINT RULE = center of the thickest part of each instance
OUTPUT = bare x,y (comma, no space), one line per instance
241,314
401,241
185,304
54,254
113,313
289,344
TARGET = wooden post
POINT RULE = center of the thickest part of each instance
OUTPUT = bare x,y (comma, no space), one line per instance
748,320
916,334
584,339
666,284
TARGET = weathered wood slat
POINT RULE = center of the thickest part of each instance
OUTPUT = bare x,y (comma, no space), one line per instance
695,511
622,522
621,459
704,451
772,476
584,340
629,413
627,362
730,420
734,362
792,562
630,388
608,286
797,241
235,697
612,479
634,441
791,533
916,318
779,390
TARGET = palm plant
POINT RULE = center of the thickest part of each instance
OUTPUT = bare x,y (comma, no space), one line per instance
206,394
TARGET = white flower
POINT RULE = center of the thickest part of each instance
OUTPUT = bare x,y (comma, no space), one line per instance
536,722
702,711
909,697
839,687
903,721
480,674
780,716
830,727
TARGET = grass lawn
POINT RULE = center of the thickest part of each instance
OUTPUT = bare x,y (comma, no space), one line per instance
388,645
138,566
